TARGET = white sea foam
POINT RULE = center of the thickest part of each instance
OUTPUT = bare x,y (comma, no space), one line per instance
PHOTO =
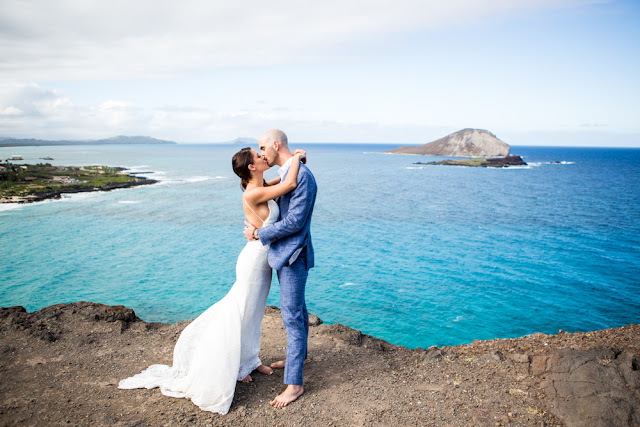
198,179
221,177
344,285
167,181
78,197
129,202
414,167
517,167
158,176
11,206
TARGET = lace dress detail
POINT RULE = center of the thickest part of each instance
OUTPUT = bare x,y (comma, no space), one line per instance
221,345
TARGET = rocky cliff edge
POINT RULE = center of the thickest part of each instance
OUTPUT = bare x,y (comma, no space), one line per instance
61,365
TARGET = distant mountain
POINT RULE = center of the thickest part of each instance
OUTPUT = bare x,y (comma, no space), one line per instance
15,142
464,143
133,140
244,141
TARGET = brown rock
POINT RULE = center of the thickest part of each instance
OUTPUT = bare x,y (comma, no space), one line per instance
314,320
539,364
350,379
343,333
586,388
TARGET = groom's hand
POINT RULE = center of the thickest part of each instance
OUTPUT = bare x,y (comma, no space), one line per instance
249,230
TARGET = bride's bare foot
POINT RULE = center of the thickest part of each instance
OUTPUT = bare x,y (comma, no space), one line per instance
264,370
247,379
291,393
280,364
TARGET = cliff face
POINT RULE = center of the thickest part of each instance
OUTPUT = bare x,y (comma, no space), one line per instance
464,143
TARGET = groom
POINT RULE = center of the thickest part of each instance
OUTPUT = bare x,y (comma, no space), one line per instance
291,255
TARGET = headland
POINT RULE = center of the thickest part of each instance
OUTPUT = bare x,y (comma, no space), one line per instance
28,183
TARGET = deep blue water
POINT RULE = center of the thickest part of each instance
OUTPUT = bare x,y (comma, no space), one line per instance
416,255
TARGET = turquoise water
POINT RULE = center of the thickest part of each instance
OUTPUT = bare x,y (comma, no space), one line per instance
416,255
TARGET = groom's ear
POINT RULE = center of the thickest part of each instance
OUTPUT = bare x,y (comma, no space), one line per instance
276,145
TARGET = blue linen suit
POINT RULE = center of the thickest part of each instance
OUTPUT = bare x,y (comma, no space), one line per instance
290,233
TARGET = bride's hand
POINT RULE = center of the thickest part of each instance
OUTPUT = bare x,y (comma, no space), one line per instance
302,154
248,230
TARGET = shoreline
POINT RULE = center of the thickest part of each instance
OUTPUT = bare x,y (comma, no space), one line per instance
78,187
71,356
57,194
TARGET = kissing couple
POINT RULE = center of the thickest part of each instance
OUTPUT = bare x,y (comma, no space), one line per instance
221,345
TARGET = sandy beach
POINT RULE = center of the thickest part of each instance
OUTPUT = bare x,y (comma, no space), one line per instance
61,366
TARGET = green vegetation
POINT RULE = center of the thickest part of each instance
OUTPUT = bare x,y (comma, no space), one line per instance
502,162
40,181
465,162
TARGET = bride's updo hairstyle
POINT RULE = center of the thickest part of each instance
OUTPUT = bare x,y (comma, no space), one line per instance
240,163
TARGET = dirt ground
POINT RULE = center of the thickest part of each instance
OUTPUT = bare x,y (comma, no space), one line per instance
61,366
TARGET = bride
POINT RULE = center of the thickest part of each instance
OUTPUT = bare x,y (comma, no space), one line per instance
221,345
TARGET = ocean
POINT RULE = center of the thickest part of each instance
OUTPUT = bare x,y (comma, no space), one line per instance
416,255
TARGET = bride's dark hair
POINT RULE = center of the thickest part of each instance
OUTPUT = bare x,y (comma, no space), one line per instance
240,163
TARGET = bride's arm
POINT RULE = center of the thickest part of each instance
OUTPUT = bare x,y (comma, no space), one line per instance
262,194
303,159
274,181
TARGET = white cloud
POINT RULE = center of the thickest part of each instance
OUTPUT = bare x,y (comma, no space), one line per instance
11,111
31,100
30,111
67,39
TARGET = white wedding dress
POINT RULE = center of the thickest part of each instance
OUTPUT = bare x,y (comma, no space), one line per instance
221,345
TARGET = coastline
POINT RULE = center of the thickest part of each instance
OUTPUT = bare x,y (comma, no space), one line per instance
56,194
61,365
33,195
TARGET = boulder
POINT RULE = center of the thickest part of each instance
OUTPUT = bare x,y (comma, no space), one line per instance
592,388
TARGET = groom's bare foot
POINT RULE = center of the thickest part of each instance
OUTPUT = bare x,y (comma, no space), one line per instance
280,364
264,370
291,393
247,379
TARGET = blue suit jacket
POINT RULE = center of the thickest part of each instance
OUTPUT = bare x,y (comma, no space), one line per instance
292,230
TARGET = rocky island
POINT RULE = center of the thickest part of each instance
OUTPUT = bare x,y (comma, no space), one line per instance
500,162
61,366
33,183
464,143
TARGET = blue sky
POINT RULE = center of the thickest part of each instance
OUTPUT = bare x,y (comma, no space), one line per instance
561,72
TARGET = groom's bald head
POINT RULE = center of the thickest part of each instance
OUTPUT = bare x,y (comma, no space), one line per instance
273,135
274,145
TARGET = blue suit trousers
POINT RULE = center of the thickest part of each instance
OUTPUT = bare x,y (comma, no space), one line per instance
293,280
